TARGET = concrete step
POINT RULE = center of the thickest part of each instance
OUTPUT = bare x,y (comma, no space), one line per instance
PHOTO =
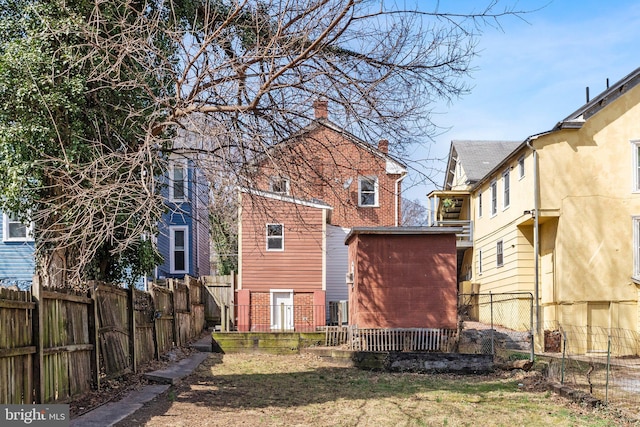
204,344
174,373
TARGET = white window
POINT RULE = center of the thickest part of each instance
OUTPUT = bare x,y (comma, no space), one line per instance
177,181
636,165
279,185
13,230
499,254
479,262
521,167
506,189
636,247
178,249
494,198
275,237
480,205
368,191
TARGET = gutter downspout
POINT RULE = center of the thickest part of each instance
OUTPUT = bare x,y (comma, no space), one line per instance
536,232
397,195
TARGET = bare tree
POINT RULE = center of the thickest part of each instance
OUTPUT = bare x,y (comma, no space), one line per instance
241,75
413,213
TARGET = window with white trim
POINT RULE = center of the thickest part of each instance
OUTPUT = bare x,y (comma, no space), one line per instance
14,230
275,237
506,188
177,181
636,247
480,204
279,185
368,191
479,262
494,197
499,254
636,165
521,167
178,249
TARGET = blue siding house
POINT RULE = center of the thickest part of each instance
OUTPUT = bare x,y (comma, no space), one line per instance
16,253
183,233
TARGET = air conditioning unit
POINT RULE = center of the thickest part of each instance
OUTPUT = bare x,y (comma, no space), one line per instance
338,312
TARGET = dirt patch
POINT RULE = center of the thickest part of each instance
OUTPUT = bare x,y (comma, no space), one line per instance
244,389
116,388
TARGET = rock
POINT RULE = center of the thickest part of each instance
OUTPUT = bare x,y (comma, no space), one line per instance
525,365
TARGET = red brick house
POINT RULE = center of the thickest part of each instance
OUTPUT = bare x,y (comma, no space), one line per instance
311,189
402,277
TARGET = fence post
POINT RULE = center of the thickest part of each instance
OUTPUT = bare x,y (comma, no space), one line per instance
282,320
493,352
531,329
156,346
223,318
606,387
132,327
564,350
38,360
176,332
94,334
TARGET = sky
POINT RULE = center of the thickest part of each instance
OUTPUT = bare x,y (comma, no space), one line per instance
530,75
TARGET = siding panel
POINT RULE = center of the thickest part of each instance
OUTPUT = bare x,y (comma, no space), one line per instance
299,266
16,261
337,263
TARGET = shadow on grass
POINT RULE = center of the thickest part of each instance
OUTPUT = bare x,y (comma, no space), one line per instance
320,385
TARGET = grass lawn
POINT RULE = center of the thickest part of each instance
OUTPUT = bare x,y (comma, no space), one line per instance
256,390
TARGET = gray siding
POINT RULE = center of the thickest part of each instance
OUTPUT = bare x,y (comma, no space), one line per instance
337,260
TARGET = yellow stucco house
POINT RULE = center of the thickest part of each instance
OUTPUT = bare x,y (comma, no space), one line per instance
557,215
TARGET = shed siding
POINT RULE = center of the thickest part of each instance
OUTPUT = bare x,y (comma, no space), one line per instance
404,281
299,265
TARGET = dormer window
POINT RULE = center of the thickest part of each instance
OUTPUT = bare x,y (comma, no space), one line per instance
279,185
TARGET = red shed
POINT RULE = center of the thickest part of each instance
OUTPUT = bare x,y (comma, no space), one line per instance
402,277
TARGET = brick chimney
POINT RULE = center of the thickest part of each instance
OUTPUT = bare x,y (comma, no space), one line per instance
321,109
383,146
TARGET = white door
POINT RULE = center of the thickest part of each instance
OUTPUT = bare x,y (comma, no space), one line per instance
282,310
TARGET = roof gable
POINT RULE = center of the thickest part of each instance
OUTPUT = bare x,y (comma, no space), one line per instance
393,165
576,119
477,158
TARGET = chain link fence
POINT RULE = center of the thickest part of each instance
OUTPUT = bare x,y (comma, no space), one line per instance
601,361
500,324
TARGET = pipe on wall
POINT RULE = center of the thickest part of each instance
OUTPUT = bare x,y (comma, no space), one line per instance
536,232
397,196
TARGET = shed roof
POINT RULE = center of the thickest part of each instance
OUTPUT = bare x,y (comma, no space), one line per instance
395,231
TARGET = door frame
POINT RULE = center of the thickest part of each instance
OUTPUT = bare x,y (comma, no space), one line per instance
286,324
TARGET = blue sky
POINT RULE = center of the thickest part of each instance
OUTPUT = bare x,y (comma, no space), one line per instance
530,75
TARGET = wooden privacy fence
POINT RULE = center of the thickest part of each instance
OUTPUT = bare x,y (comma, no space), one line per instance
59,343
219,300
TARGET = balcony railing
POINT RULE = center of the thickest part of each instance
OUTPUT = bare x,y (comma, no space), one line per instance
466,235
